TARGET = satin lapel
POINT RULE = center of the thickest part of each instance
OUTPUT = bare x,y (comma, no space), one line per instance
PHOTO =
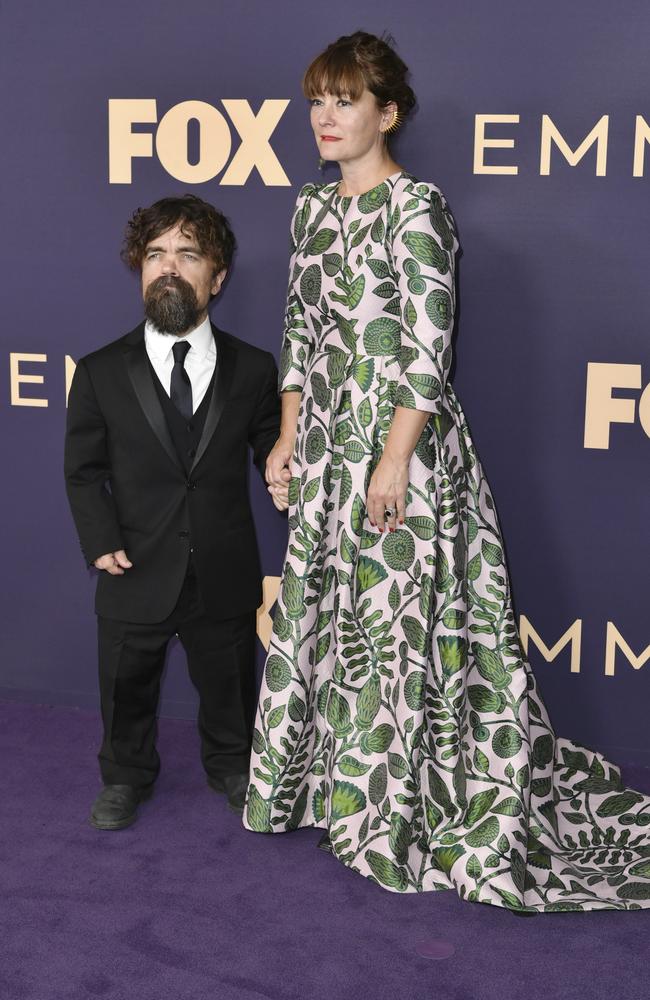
141,378
226,364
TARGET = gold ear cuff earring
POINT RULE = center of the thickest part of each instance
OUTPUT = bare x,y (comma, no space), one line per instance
395,123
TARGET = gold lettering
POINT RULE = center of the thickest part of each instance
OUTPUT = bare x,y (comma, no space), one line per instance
573,635
598,135
123,144
601,409
615,640
16,377
481,144
255,150
641,136
70,367
214,142
644,409
270,591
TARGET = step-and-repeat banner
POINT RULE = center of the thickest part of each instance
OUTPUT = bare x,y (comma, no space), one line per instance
535,122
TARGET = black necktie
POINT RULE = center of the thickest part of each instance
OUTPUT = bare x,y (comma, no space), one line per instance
181,387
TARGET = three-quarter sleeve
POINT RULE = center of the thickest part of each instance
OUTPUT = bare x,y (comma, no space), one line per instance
296,339
423,248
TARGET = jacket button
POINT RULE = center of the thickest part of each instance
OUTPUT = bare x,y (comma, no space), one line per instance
183,534
190,485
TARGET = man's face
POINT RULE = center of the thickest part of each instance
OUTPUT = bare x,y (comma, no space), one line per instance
178,281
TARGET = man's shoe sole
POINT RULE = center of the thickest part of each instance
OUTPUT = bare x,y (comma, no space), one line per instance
118,825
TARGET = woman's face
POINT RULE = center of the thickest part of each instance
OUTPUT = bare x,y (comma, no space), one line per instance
348,130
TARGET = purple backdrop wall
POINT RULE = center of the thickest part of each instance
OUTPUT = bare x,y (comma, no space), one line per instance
553,278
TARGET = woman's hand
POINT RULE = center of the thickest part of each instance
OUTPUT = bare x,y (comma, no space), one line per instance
279,460
278,463
278,471
387,489
390,479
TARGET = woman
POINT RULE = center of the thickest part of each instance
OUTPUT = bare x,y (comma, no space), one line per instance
397,713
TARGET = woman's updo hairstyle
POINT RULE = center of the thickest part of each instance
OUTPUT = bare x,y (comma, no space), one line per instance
358,61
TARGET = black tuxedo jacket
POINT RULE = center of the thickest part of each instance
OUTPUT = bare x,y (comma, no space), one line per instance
128,490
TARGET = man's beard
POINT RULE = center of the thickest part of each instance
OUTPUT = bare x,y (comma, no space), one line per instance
170,303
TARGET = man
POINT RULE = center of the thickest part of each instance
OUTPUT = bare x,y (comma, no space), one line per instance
156,459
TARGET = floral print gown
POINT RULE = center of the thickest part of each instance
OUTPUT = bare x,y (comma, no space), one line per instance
397,711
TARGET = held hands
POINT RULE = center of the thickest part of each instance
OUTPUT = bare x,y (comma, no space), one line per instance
113,562
278,472
387,489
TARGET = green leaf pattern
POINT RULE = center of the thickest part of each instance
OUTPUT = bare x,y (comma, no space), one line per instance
396,709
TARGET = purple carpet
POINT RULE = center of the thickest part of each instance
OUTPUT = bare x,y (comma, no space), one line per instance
187,905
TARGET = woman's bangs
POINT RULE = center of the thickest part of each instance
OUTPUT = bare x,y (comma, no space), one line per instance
334,73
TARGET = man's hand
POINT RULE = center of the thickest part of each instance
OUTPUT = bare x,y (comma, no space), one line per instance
280,494
113,562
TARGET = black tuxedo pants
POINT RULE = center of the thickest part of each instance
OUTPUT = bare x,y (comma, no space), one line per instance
221,661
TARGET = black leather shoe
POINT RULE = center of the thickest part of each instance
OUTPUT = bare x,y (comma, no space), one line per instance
325,844
117,806
234,786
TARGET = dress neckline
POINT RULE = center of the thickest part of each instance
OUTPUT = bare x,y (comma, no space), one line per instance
364,194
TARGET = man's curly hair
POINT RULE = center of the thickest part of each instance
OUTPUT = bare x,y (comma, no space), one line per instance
196,217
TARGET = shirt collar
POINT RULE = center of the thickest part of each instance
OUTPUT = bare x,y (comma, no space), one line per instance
200,339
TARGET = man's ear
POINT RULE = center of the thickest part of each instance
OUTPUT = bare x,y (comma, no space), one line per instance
218,280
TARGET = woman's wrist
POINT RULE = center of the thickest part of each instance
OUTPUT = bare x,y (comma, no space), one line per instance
397,456
287,438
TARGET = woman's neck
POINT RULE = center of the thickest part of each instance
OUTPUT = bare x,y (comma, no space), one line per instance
359,176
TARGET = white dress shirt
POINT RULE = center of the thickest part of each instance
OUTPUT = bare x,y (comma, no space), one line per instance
200,360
